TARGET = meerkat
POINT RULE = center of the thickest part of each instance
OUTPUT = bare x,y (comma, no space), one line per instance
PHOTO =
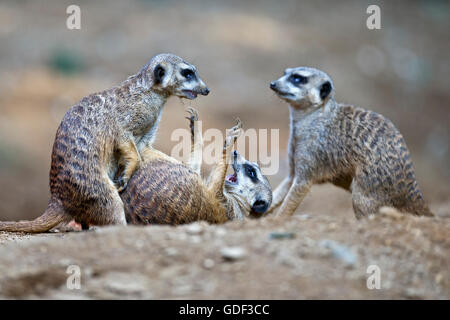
167,191
106,131
356,149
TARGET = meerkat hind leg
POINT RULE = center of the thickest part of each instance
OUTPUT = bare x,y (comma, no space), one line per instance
280,193
363,203
150,154
131,159
114,213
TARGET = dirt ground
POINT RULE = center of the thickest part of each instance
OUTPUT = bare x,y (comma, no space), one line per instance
319,253
238,47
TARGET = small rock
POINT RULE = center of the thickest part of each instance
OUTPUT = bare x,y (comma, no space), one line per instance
194,228
195,239
438,278
233,253
304,216
340,252
171,252
416,232
332,226
220,231
208,263
391,213
281,235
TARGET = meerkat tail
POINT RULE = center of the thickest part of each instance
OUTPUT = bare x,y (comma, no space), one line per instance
53,215
416,203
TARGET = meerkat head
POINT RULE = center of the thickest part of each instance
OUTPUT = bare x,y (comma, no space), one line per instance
304,87
172,75
248,187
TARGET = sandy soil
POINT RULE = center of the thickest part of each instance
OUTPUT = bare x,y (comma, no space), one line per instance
316,254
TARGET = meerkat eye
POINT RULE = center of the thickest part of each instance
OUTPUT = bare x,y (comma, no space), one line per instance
298,79
188,74
250,172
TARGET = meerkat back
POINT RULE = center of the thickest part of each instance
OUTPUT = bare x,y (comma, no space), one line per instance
165,192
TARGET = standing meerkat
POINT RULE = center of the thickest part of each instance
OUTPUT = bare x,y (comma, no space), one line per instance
356,149
167,191
105,133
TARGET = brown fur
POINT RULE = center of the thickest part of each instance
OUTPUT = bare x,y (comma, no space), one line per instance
356,149
166,191
101,133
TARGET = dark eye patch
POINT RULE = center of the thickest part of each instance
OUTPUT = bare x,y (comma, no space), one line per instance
325,90
188,74
250,172
298,79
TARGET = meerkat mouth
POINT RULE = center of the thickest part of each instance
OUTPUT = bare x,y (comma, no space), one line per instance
232,178
285,94
190,94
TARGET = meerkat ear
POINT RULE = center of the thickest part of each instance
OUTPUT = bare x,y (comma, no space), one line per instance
159,73
162,74
325,90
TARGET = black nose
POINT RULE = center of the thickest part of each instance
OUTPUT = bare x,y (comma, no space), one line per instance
273,85
260,206
205,91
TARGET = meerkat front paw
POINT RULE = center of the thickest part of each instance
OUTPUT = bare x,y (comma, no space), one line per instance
193,114
193,117
121,183
233,134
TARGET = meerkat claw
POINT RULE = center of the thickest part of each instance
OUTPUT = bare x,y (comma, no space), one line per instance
193,114
233,133
121,184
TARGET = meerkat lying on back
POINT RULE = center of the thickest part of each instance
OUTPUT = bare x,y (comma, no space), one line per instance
167,191
356,149
104,132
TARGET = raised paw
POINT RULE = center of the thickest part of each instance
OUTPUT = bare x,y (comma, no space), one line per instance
193,114
233,133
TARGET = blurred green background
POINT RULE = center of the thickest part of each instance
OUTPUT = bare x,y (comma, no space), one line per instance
401,71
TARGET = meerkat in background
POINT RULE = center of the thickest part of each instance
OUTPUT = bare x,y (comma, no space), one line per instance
104,132
167,191
356,149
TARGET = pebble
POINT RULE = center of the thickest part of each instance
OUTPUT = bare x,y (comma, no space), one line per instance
340,252
281,235
304,217
208,263
220,232
171,252
233,253
194,228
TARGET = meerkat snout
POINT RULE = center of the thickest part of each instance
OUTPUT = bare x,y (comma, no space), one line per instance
260,206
